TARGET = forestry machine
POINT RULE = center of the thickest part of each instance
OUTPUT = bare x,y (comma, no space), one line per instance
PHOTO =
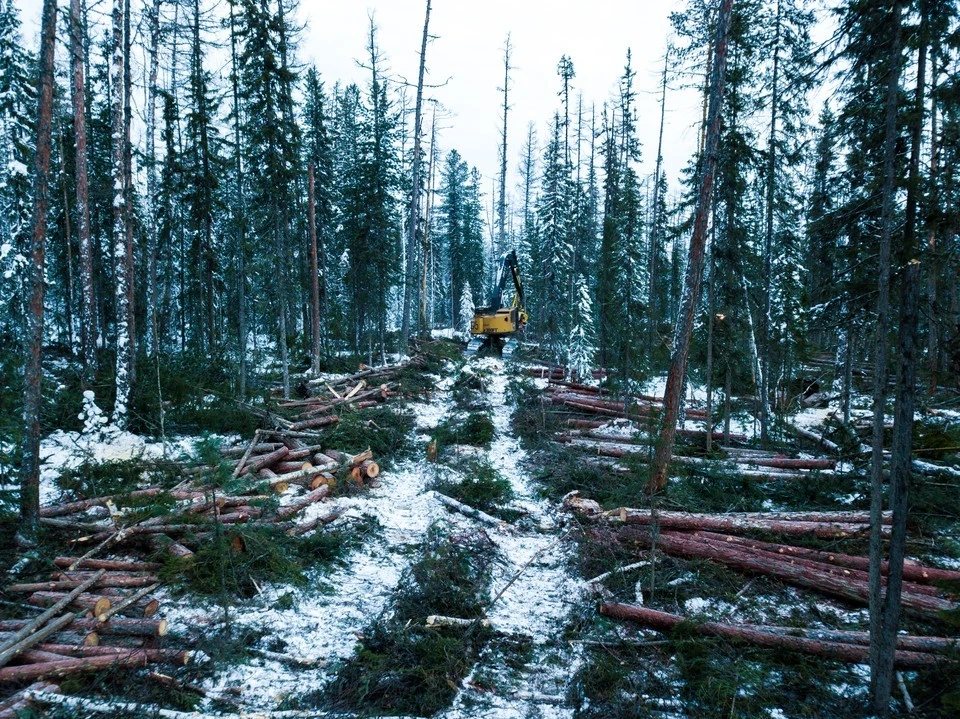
495,326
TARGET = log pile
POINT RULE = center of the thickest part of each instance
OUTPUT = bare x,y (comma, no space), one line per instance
719,538
325,398
304,474
86,601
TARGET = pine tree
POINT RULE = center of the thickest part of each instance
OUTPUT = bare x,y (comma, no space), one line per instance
17,137
467,308
552,255
581,348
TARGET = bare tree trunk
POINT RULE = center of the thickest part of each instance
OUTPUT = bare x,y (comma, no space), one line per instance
932,267
711,316
88,330
414,219
240,219
153,341
694,276
881,676
426,315
30,472
655,230
314,275
502,195
120,247
768,243
128,191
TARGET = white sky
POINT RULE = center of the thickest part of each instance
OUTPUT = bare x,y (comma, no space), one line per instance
467,55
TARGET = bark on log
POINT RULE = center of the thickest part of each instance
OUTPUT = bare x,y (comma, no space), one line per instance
846,588
116,626
69,667
315,422
32,625
261,448
838,651
175,656
59,510
96,603
117,565
301,504
468,511
130,601
298,529
12,706
734,524
12,649
68,584
912,571
255,464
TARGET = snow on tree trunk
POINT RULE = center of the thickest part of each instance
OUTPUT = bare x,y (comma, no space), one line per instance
582,348
120,246
466,309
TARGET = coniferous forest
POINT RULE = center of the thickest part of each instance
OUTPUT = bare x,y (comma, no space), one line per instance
233,289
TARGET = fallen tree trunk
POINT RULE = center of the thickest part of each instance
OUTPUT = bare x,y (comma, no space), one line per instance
263,461
13,649
814,437
848,588
468,511
315,422
119,565
67,584
115,627
838,651
934,645
301,504
735,523
12,706
912,571
69,667
843,572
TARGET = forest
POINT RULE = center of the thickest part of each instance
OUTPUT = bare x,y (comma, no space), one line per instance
232,269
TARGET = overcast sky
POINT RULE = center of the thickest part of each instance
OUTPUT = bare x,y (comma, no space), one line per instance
466,58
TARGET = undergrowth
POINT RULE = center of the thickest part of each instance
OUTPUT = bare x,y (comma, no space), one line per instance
479,486
239,560
476,430
385,430
403,667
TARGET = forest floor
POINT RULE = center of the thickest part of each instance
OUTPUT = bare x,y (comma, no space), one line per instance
351,637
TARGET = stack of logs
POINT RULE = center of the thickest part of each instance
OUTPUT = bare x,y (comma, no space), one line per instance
718,538
273,467
361,390
85,602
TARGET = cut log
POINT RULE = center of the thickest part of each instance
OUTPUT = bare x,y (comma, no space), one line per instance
255,464
298,506
848,588
95,603
118,565
843,572
59,510
13,706
309,526
315,422
814,437
912,571
116,626
437,620
164,543
69,667
28,627
174,656
469,511
735,524
241,465
67,584
12,649
838,651
130,601
261,448
936,645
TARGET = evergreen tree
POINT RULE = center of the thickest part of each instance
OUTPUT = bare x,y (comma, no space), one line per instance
581,348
